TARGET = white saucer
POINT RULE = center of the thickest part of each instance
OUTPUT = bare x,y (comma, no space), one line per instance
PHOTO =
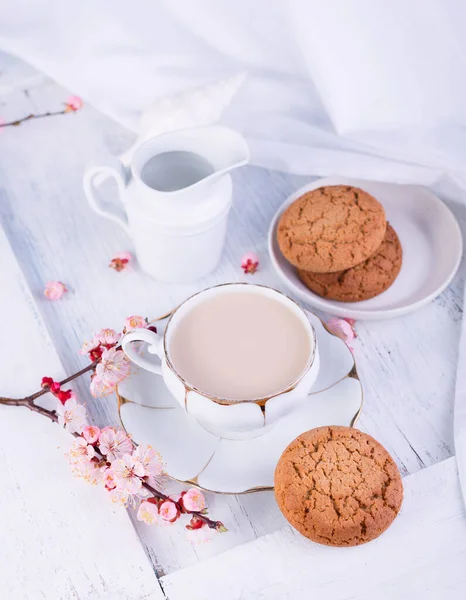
196,457
432,248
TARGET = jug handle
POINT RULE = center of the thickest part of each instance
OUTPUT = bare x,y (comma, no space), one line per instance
110,167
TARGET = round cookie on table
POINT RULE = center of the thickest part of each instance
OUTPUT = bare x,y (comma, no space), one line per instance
332,228
364,281
338,486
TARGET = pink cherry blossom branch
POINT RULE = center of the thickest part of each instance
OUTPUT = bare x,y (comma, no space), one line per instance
73,104
217,525
28,402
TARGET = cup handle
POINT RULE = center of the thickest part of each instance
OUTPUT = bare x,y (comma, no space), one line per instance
111,167
155,342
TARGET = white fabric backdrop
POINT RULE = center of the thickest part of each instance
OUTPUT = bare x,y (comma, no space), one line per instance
364,88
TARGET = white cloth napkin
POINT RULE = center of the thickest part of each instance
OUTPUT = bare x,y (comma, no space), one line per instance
420,556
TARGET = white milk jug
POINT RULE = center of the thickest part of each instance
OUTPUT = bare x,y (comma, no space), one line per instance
176,194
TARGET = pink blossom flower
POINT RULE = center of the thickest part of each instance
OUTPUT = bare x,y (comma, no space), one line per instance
89,471
343,329
106,337
135,322
150,460
250,263
168,511
88,346
54,290
108,478
73,104
127,473
72,416
121,261
201,535
80,450
91,434
114,443
99,388
193,499
120,496
113,367
148,513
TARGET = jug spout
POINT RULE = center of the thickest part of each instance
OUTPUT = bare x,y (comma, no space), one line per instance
224,148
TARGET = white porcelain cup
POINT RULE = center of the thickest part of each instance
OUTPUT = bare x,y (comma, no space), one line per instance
227,418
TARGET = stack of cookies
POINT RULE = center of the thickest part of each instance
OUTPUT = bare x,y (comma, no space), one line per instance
340,241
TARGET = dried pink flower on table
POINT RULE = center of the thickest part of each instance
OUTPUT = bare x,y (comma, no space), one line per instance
72,416
250,263
54,290
121,262
114,443
127,473
73,104
193,500
343,328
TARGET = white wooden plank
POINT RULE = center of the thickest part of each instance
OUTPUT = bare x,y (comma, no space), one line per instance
421,556
61,538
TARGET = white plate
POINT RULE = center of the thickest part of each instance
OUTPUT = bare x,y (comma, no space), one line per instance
432,248
196,457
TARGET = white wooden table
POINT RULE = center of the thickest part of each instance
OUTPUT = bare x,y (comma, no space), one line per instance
407,366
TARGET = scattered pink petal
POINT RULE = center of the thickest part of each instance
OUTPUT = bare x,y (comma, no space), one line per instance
135,322
54,290
127,473
91,434
193,500
114,443
148,513
342,328
113,367
73,104
121,261
250,263
168,511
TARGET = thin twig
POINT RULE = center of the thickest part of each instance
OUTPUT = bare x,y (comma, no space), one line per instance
199,515
30,117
